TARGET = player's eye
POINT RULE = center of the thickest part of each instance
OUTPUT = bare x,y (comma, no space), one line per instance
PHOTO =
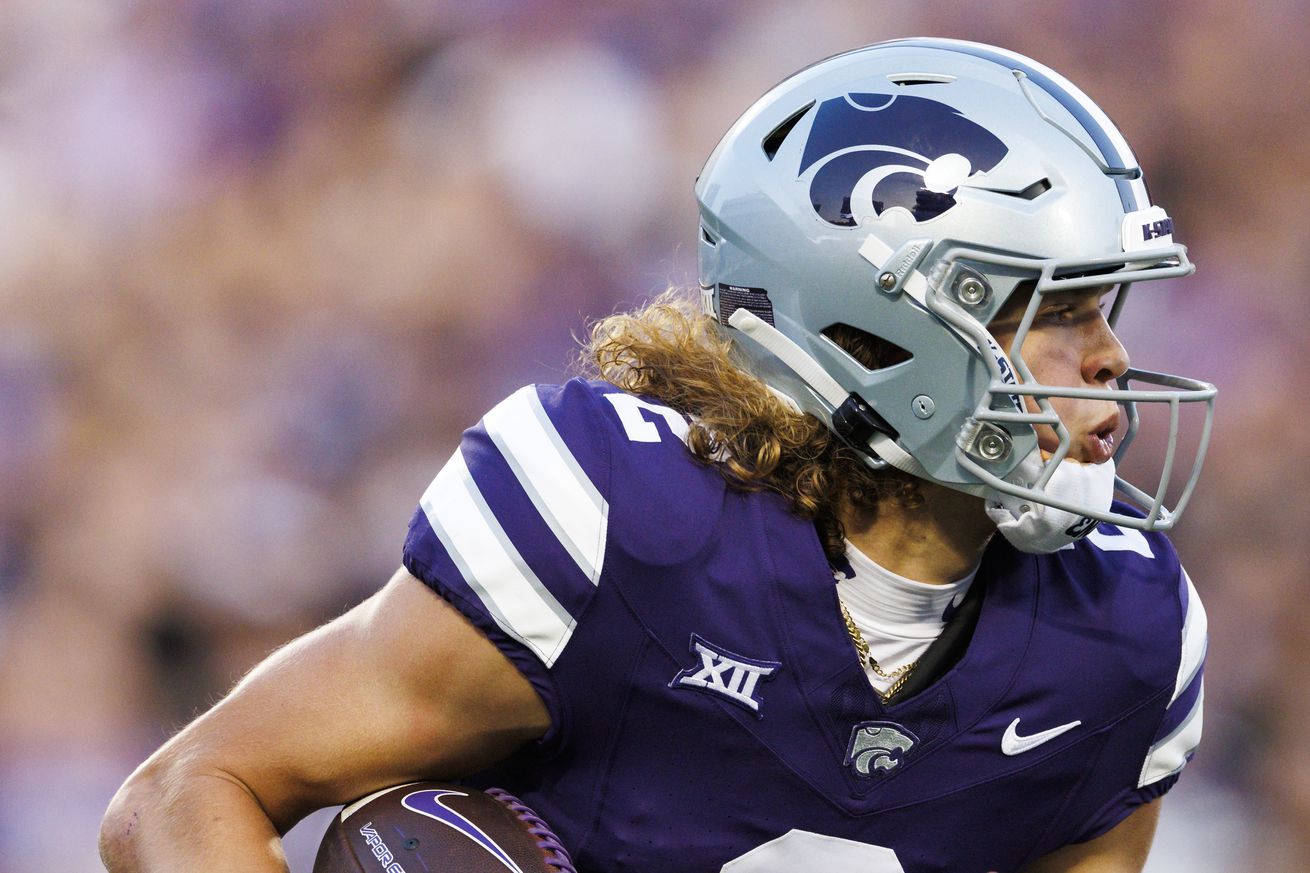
1061,313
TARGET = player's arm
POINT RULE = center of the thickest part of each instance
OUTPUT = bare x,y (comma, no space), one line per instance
1122,849
401,687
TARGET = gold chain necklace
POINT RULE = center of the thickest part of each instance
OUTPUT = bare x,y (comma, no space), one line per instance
901,675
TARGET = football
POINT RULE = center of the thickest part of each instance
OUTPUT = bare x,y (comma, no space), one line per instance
436,827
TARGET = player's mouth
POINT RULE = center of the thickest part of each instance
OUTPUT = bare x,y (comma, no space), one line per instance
1099,443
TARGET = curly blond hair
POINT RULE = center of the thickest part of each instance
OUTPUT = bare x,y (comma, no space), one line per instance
671,351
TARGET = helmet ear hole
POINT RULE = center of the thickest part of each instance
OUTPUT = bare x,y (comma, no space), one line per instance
869,351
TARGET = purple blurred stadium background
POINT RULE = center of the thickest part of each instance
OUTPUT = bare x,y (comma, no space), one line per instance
262,260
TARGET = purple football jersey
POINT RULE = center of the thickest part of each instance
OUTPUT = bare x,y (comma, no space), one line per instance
709,711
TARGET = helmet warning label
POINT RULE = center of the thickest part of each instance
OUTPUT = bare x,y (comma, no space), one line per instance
754,300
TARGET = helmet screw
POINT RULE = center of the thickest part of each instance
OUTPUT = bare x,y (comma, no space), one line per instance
887,281
972,291
992,446
923,406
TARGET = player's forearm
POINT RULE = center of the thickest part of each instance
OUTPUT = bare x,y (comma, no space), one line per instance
188,822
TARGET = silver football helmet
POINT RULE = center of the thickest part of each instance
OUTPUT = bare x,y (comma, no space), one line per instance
907,189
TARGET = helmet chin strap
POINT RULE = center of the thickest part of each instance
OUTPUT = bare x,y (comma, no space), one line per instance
1027,524
1037,528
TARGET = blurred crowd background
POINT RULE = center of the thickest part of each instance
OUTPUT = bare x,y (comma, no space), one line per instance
262,260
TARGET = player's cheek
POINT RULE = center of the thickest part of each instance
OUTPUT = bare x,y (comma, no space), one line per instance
1053,359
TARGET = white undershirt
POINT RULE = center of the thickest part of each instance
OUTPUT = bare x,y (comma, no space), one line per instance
898,617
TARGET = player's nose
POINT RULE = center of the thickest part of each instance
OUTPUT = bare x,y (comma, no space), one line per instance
1105,358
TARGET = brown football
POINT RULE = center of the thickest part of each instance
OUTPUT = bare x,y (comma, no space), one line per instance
436,827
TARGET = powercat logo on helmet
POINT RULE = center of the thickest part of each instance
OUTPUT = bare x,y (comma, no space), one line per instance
879,151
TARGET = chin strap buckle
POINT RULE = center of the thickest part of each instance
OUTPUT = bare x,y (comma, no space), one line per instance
855,422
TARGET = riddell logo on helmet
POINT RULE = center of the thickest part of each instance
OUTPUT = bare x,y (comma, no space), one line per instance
868,153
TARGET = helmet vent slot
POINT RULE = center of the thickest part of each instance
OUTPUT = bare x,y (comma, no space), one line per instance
869,351
1035,190
907,79
1032,192
705,235
774,140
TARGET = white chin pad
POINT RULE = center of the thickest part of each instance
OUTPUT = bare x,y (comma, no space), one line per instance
1036,528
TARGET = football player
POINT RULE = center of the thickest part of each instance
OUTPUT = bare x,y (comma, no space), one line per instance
822,567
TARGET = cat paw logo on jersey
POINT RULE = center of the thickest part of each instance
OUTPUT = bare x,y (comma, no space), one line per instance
868,153
878,746
726,675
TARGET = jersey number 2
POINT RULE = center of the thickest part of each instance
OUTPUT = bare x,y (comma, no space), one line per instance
815,853
640,427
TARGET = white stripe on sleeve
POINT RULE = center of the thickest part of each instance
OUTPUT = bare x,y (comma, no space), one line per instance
550,475
1194,640
490,564
1170,754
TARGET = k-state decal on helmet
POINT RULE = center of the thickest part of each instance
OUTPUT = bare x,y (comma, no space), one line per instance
879,151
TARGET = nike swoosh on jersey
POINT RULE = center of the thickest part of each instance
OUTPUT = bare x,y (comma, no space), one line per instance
1013,744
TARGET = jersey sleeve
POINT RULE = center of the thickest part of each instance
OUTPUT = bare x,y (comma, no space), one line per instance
1180,730
512,531
1178,733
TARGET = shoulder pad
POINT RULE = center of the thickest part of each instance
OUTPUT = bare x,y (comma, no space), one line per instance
517,525
666,502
